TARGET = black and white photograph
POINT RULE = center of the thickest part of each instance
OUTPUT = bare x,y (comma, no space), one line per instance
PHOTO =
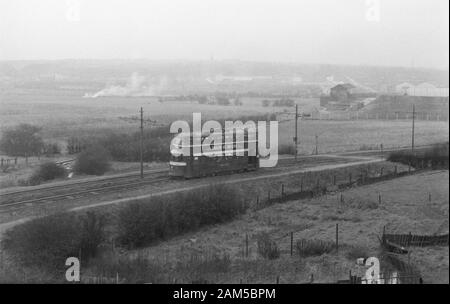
223,149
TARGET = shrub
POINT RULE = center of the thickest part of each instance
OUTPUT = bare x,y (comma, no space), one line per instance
286,149
48,171
141,223
356,252
267,248
48,241
94,160
307,248
437,156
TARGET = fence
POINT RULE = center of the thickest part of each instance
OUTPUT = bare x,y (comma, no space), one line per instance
353,115
408,240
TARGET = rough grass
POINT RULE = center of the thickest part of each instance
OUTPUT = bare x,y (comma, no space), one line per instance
47,242
308,248
143,223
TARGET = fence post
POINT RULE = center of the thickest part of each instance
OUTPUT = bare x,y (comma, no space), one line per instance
2,162
395,169
268,196
257,201
379,198
429,196
337,238
381,171
246,245
409,167
334,179
292,243
282,191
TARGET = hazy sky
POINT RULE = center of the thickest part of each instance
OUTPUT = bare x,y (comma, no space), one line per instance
383,32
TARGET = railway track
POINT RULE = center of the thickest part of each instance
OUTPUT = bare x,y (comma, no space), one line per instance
15,200
27,198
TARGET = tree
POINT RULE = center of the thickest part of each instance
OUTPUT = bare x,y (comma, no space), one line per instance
22,140
94,160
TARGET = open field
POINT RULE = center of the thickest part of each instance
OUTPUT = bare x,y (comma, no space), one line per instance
65,116
339,136
416,204
405,208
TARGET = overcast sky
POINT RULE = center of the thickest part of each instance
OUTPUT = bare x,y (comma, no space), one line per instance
383,32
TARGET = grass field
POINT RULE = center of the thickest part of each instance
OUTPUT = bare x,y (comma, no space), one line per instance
405,208
338,136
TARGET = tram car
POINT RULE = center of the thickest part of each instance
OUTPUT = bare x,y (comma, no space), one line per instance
235,156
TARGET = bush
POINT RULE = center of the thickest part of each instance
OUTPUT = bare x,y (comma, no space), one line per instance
286,149
437,156
267,248
47,242
356,252
307,248
48,171
93,160
142,223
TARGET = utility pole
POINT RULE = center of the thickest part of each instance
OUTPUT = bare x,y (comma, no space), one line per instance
413,126
296,131
142,143
317,144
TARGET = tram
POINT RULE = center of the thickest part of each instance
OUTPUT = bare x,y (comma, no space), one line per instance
235,156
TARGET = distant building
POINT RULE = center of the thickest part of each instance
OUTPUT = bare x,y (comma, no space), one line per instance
341,92
344,96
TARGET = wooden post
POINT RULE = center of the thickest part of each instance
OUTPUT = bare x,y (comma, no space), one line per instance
341,198
257,201
282,191
429,196
292,243
246,245
334,179
268,196
395,170
381,171
337,238
379,198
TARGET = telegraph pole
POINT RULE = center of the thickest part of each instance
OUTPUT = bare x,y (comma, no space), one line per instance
413,126
296,131
142,143
317,144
